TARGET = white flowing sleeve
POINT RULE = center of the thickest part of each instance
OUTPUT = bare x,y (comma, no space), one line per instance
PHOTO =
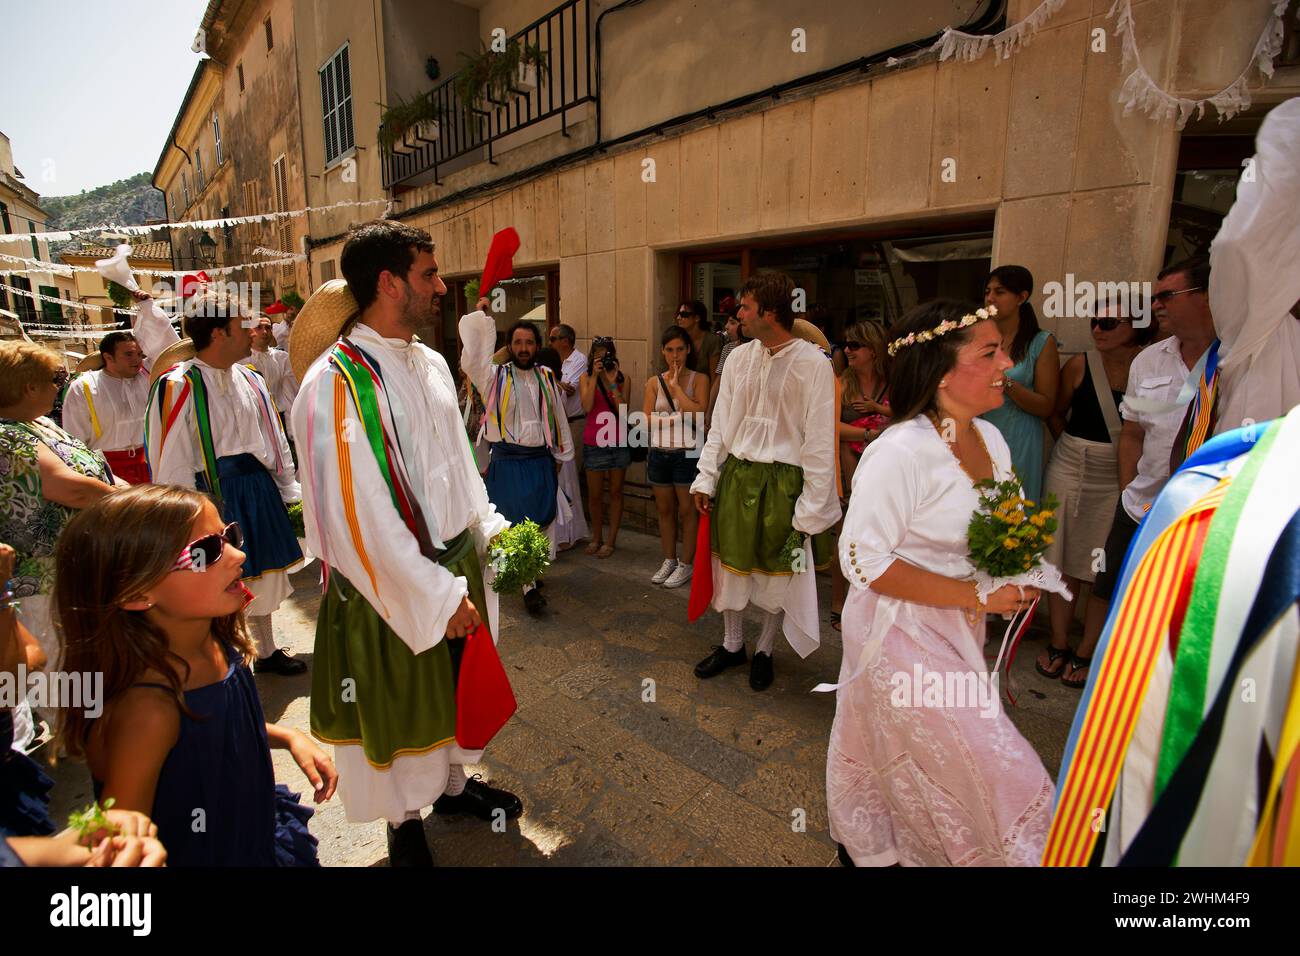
715,447
175,460
478,336
76,414
818,506
886,491
153,330
352,524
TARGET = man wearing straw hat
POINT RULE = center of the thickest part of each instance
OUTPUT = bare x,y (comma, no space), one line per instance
211,424
396,510
104,407
767,470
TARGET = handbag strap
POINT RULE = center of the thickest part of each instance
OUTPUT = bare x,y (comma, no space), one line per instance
1105,400
667,394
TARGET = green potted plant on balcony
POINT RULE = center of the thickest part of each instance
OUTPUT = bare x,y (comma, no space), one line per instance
493,76
407,123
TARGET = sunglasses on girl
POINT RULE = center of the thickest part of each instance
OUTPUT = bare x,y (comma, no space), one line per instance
1107,324
201,553
853,346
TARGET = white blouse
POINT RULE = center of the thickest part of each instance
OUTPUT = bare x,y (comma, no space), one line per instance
275,368
119,410
774,408
239,427
524,423
912,500
416,596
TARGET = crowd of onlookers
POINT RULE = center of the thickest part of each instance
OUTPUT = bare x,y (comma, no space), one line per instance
1070,431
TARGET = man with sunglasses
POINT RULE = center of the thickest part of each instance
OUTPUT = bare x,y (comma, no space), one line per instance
105,406
1152,418
210,424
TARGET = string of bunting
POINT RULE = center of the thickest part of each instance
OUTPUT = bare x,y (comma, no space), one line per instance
37,296
63,269
66,234
1139,90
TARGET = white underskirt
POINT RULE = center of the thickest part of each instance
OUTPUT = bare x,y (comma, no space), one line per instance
268,591
408,785
796,594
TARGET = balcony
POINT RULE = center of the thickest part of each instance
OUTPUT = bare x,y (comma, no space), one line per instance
477,130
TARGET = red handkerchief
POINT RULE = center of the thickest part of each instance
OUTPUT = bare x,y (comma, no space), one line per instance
702,578
500,259
484,700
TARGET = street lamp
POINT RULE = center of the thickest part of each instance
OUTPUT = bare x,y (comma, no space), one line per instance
207,250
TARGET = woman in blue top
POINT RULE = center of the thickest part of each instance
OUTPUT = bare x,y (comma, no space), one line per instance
148,592
1032,382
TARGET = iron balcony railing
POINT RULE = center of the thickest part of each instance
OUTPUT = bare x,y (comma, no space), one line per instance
564,82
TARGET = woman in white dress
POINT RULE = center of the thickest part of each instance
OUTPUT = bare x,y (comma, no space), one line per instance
924,766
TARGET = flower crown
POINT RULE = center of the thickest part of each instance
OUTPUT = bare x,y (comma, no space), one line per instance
943,328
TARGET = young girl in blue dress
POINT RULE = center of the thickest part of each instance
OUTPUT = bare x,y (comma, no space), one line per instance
148,592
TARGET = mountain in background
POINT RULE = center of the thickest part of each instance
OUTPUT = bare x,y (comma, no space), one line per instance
127,202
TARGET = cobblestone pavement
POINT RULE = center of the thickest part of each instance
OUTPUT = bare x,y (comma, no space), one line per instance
705,773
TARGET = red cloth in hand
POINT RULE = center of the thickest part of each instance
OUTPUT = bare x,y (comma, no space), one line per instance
702,576
484,700
500,259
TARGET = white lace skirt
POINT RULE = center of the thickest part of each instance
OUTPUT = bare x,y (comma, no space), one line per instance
922,780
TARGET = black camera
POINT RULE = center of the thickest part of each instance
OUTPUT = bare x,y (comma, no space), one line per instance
608,361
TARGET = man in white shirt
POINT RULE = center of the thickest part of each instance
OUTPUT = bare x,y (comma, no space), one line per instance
1160,381
396,509
767,469
210,424
105,406
525,423
573,365
273,363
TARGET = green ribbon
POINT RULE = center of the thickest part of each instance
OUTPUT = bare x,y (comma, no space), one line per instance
1186,705
203,423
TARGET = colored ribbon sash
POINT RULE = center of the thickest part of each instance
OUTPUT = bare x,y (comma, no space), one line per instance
498,401
90,406
1141,623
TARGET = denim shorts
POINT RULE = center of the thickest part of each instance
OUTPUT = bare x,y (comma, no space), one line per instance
596,458
671,467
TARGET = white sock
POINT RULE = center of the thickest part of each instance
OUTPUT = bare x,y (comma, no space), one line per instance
455,780
733,635
767,638
530,587
263,635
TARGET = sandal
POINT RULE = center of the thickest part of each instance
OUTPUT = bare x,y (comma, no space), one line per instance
835,621
1077,663
605,551
1054,654
592,548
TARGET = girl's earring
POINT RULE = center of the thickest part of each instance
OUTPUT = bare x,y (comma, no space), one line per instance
943,383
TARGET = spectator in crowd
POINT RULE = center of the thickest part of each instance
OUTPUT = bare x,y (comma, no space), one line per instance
1151,422
864,413
1031,383
1083,471
148,593
706,345
569,376
45,476
605,455
674,401
734,336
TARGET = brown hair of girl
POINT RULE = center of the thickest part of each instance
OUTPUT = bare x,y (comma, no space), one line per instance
872,335
108,555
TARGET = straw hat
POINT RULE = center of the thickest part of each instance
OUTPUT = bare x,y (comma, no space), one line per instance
91,363
803,329
173,354
322,319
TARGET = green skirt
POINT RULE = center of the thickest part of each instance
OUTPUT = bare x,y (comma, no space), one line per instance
368,689
753,515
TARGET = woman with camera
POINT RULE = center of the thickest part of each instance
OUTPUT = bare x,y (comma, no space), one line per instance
604,455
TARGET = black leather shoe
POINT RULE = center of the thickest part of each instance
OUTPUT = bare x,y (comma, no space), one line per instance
719,661
279,663
534,601
407,845
845,859
760,671
479,799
